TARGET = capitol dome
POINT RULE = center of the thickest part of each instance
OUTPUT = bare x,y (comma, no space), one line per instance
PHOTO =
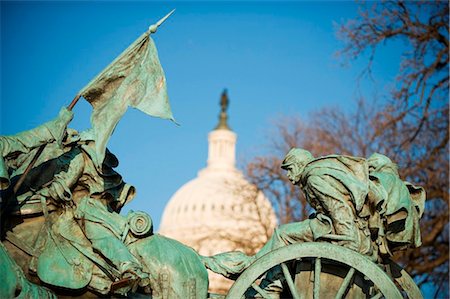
219,210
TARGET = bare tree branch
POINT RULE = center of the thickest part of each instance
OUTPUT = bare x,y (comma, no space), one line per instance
412,128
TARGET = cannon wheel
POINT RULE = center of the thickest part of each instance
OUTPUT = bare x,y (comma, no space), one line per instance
319,254
404,281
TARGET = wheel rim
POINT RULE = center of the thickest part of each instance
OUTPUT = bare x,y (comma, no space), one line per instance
404,281
319,252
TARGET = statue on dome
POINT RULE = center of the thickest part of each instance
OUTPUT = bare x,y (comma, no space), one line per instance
223,117
224,102
361,204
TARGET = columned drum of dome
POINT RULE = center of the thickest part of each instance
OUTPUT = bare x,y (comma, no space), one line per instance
219,210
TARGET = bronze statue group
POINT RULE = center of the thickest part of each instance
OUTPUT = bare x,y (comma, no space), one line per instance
63,227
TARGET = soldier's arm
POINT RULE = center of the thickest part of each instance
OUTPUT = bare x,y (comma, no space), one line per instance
25,141
72,165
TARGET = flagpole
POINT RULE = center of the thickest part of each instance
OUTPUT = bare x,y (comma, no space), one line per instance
74,102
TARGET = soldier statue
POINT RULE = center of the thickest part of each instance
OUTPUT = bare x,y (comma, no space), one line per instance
361,204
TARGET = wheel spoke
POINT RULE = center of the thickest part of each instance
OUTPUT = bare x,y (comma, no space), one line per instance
290,282
310,251
260,291
317,269
345,283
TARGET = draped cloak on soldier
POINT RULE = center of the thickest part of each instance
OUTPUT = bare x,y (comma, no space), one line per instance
375,194
400,203
351,203
68,176
82,202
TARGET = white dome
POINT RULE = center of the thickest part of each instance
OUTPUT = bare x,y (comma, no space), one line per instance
213,207
219,210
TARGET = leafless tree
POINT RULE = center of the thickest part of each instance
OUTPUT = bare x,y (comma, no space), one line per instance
421,92
412,127
265,173
245,222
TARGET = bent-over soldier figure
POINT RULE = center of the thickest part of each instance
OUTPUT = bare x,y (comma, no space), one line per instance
353,198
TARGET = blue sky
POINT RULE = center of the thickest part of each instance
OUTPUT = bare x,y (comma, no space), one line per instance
275,59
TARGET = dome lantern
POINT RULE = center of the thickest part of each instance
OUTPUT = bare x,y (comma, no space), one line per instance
223,116
222,142
219,210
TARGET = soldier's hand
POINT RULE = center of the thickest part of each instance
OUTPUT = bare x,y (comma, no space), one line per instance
56,192
58,126
65,116
59,192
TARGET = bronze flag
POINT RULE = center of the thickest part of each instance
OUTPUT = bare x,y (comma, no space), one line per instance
135,78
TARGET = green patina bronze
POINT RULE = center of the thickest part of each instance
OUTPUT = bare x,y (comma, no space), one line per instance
61,225
64,228
364,212
134,79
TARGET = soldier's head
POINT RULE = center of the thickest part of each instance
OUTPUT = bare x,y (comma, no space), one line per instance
295,162
381,163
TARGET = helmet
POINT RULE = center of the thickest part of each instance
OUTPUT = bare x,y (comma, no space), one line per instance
297,156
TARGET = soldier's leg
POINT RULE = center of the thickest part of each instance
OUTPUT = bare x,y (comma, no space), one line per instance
344,221
229,264
291,233
298,232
